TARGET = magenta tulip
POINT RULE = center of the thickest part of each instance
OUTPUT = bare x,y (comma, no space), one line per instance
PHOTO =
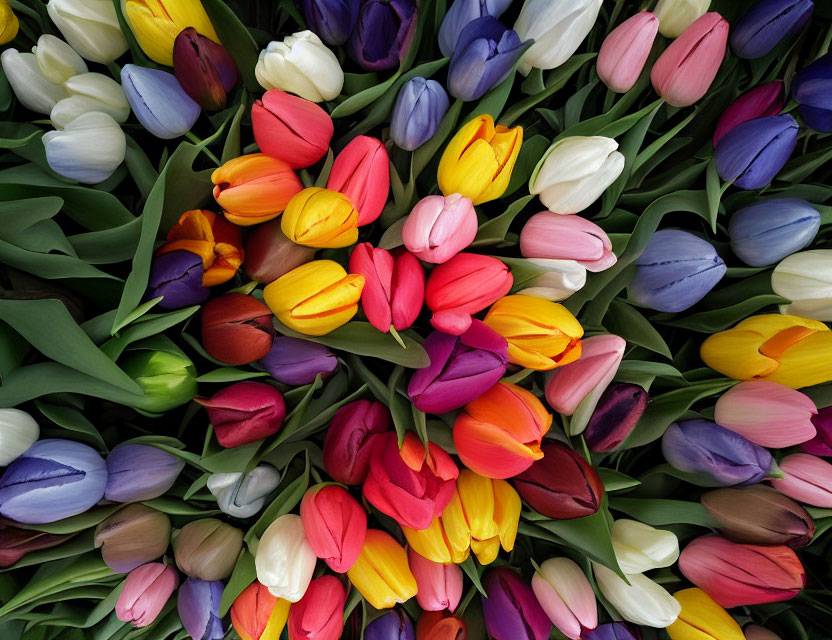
759,102
821,444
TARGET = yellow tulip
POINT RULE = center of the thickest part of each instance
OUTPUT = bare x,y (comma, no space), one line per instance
478,161
156,23
320,218
541,334
315,298
791,350
702,619
381,574
8,23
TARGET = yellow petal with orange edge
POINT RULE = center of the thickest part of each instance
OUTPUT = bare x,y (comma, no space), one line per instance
301,283
506,512
807,363
702,619
382,574
735,353
203,249
337,297
318,326
477,496
506,146
195,224
486,550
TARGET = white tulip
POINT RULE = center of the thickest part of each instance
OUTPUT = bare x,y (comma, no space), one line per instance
640,602
805,278
575,171
561,279
90,26
57,61
640,547
284,560
242,495
300,64
89,149
18,432
566,596
677,15
32,90
90,92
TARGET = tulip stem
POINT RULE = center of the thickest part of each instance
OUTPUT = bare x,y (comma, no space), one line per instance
115,71
397,337
460,610
190,136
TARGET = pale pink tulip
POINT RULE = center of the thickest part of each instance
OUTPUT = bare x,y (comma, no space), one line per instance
566,596
808,480
439,227
145,593
558,237
440,585
625,51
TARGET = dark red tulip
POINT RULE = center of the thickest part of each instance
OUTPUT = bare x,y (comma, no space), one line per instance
16,543
350,438
245,412
237,329
204,68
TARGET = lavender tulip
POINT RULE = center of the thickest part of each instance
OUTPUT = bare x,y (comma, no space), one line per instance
140,472
461,368
294,361
511,610
420,107
484,55
461,14
767,24
383,33
619,409
611,631
752,153
332,20
159,101
198,603
812,88
395,625
676,270
177,277
768,231
716,456
52,480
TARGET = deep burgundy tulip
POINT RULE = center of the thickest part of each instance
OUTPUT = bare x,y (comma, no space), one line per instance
318,615
16,543
395,625
294,361
349,440
362,173
245,412
204,68
139,472
270,254
236,329
621,406
766,24
332,20
760,102
383,33
612,631
821,444
177,277
811,88
511,610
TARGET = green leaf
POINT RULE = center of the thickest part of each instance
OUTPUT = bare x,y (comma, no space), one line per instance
376,386
403,419
76,523
473,572
236,39
423,154
243,575
176,507
625,321
72,419
360,100
615,480
530,153
230,374
713,188
721,319
17,215
658,512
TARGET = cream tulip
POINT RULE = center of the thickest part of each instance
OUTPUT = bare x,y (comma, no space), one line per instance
89,149
640,547
805,278
300,64
677,15
90,26
18,432
33,90
90,92
558,279
284,560
57,61
640,602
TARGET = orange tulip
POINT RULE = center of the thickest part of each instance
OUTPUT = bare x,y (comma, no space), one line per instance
258,615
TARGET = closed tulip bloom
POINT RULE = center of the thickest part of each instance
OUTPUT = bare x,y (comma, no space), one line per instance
439,227
805,278
685,70
381,573
319,614
625,50
296,362
57,61
269,254
18,431
566,596
245,412
158,101
760,102
751,154
362,173
332,20
284,560
290,128
207,549
157,23
759,515
767,24
91,27
553,280
460,14
555,237
300,64
767,232
258,615
641,602
90,92
198,605
702,619
383,33
618,411
335,525
137,472
736,575
321,218
167,378
611,631
440,585
440,625
52,480
808,480
511,611
132,536
810,87
677,15
640,547
767,413
31,88
242,495
205,69
394,625
9,24
16,543
821,444
420,106
177,278
145,593
236,329
478,161
350,439
716,456
89,149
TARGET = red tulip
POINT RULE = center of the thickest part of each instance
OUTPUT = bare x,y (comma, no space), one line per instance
335,525
350,438
319,614
204,69
270,254
440,625
362,173
237,329
16,543
245,412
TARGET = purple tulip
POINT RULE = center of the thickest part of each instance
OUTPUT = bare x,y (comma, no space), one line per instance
612,631
621,406
294,361
812,88
511,610
760,102
716,456
484,55
461,368
395,625
768,231
140,472
177,276
332,20
198,603
383,33
766,24
676,270
159,101
420,107
52,480
461,14
752,153
821,444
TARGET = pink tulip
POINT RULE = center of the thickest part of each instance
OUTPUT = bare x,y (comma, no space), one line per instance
808,480
335,525
440,585
760,102
439,227
556,237
318,615
362,173
625,51
685,70
566,596
146,591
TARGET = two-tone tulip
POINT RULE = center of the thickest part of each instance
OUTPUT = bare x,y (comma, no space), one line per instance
381,573
332,20
177,277
350,439
808,479
625,50
805,278
767,24
440,625
132,536
760,102
205,69
145,593
258,615
284,560
297,362
703,618
242,495
566,596
207,549
810,88
167,378
158,101
319,614
554,237
821,444
16,542
640,547
383,33
321,218
511,611
440,585
677,15
89,149
198,605
269,254
394,625
460,14
156,24
137,472
767,232
553,280
639,599
362,173
300,64
91,28
420,106
618,411
335,525
751,154
439,227
245,412
18,431
236,329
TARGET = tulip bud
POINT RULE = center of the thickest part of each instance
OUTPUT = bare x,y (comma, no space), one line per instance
284,560
768,231
205,69
821,444
89,149
335,525
18,431
702,617
236,329
243,495
319,615
612,631
137,472
381,573
16,543
57,61
760,102
625,50
555,237
566,596
640,548
395,625
440,585
321,218
768,23
30,87
54,479
552,280
618,411
145,593
641,602
332,20
157,24
9,24
420,106
804,278
90,92
461,14
808,480
257,615
177,277
198,604
350,440
245,412
756,632
383,33
478,161
362,173
675,16
440,625
207,549
132,536
291,129
438,227
158,101
810,87
296,362
91,28
736,575
167,378
270,254
300,64
511,611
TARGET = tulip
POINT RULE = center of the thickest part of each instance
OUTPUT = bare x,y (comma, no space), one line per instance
319,615
478,161
685,70
217,241
612,631
641,602
132,536
332,20
205,69
554,237
760,102
90,92
618,411
236,329
90,27
254,188
350,440
485,54
383,33
791,350
511,611
751,154
440,585
625,50
808,480
207,549
767,413
245,412
291,129
566,596
767,232
440,625
552,280
257,615
56,60
461,14
270,254
32,89
321,218
557,27
640,548
362,173
759,515
243,495
716,456
675,16
573,174
54,479
420,106
702,618
804,279
16,543
810,87
18,431
138,472
315,298
737,575
145,593
756,632
89,149
395,625
167,378
676,270
439,227
198,604
296,362
9,24
821,444
284,560
381,573
177,278
335,525
158,101
768,23
300,64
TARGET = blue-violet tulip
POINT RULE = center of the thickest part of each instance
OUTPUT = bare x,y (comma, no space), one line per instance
766,24
752,153
420,107
461,14
383,33
198,603
294,361
395,625
766,232
611,631
332,20
177,277
812,88
159,101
